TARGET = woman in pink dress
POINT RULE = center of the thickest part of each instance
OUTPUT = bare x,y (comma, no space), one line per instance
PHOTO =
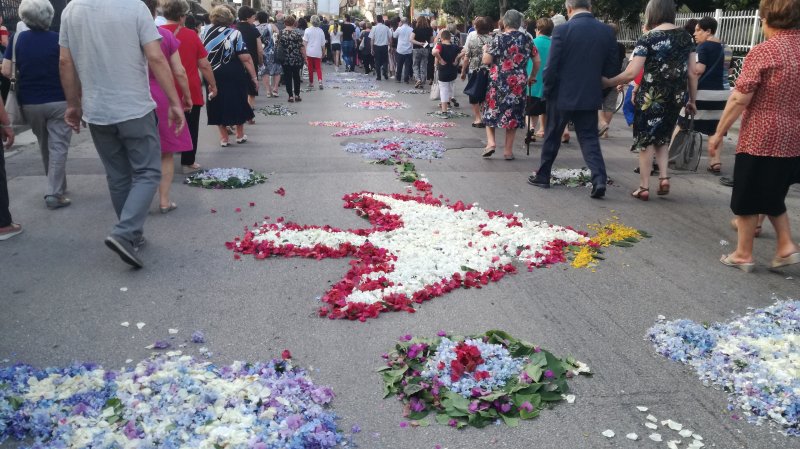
170,141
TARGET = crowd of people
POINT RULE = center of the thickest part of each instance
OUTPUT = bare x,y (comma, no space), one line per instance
143,102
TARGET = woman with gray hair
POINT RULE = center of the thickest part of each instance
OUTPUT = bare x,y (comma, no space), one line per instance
667,55
507,56
35,54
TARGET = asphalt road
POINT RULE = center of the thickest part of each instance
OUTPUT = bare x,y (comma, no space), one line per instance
61,299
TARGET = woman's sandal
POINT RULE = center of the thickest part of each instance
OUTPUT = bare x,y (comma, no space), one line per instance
747,267
168,209
487,152
642,193
663,186
714,169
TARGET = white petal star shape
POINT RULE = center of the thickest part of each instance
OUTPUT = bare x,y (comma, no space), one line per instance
417,248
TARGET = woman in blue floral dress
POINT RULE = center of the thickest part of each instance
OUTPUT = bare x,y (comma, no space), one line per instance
270,72
508,54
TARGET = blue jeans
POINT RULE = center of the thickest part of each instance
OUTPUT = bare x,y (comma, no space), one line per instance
347,53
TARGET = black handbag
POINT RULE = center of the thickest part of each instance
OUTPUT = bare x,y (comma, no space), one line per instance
477,84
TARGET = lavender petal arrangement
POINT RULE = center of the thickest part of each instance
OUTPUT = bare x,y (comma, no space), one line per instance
755,358
170,401
396,148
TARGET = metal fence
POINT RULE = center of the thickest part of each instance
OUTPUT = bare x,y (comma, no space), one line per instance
741,30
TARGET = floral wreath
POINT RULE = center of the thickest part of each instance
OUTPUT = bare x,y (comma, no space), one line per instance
475,380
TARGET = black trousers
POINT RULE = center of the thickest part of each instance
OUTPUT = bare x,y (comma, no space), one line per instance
193,123
366,59
586,129
291,75
5,215
403,66
381,60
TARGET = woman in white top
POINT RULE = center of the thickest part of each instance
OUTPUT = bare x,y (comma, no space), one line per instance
336,45
314,39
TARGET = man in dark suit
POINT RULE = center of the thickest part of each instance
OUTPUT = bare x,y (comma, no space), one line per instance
582,51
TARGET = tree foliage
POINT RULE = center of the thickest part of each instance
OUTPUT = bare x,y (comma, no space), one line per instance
432,5
545,8
463,9
495,8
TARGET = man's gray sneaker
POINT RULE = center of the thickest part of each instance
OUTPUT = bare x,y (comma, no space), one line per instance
124,249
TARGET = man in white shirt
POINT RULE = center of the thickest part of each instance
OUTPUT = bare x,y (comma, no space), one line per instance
106,85
404,48
380,36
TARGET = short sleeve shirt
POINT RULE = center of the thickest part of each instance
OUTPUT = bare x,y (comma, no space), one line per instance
169,45
191,50
381,34
250,35
772,75
108,57
712,55
292,43
314,38
422,35
37,62
348,29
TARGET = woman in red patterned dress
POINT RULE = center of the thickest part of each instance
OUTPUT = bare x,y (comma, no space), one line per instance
768,153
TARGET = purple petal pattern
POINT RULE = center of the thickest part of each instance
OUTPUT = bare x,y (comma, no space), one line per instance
167,402
398,148
366,94
373,105
386,124
755,358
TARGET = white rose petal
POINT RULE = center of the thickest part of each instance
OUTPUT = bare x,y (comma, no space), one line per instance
651,425
652,418
673,444
632,436
608,433
674,425
124,324
661,318
697,437
140,325
128,360
123,289
695,444
172,331
686,433
655,437
641,408
570,398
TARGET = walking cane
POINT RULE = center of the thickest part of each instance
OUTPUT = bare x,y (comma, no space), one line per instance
528,129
